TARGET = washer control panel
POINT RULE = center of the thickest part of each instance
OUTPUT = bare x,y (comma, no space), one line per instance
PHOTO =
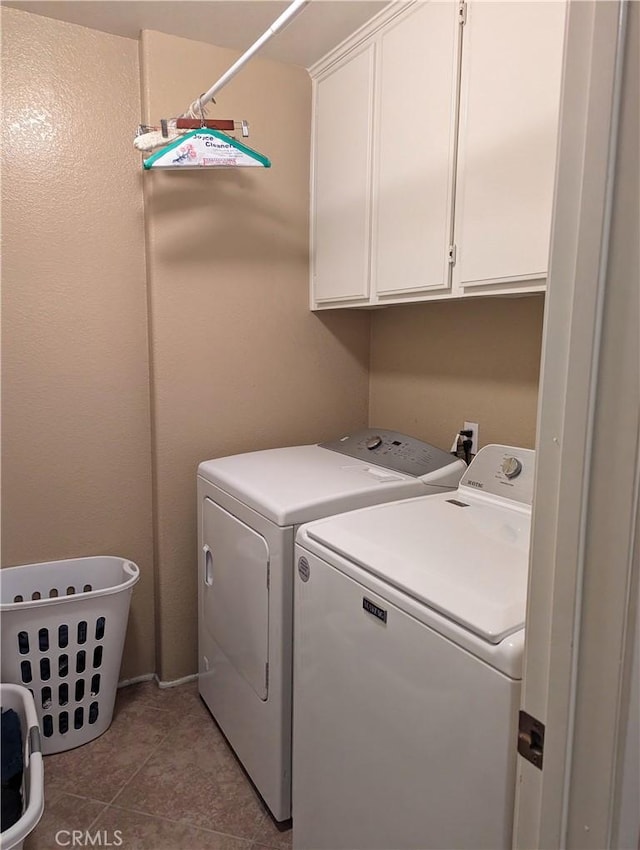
392,450
502,471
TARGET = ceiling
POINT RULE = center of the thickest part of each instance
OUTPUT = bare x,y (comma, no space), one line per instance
226,23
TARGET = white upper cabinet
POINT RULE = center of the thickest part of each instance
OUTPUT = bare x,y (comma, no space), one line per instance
414,142
511,72
434,147
341,212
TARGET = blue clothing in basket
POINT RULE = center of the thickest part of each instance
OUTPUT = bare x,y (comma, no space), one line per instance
12,766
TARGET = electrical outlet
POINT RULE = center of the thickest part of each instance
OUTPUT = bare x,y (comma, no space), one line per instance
473,426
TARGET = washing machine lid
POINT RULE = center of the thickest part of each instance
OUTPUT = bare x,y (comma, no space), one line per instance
463,557
302,483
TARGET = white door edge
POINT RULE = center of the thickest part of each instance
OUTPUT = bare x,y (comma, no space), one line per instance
562,806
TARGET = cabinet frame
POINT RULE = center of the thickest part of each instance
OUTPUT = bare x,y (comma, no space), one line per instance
371,35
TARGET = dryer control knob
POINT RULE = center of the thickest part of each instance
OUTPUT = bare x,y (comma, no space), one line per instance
373,442
511,467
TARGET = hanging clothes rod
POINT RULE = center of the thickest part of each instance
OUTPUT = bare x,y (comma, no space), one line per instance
149,138
195,110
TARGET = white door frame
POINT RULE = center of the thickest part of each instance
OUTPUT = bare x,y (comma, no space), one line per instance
583,589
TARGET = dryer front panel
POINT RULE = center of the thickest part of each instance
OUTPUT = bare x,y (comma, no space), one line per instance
235,584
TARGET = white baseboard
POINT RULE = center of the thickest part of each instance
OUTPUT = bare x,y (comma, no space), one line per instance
147,677
153,677
175,682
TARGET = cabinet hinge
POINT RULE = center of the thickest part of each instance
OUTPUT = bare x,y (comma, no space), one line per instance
462,12
531,739
452,255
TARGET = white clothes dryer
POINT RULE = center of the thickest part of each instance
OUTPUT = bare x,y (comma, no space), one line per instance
408,641
249,508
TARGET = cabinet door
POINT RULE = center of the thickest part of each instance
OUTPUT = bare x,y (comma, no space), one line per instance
414,151
342,181
511,73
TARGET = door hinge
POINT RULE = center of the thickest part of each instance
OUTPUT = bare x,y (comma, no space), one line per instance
452,255
531,739
462,13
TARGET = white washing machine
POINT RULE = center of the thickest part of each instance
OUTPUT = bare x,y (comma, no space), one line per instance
249,507
408,642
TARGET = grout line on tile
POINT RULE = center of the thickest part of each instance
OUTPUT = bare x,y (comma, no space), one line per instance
81,797
267,844
183,822
147,706
192,712
256,839
140,766
105,806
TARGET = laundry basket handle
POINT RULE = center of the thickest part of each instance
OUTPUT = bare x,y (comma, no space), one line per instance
131,568
35,744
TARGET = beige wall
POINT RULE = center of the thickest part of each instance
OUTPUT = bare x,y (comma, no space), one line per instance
239,362
433,366
76,464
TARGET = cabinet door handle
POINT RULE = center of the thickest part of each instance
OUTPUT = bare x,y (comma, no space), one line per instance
208,565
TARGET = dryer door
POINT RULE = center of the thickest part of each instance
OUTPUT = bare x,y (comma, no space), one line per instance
235,575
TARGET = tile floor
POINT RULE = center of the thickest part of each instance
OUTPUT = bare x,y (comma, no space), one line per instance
163,775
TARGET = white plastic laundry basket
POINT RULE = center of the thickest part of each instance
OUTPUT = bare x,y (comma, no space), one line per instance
63,629
21,701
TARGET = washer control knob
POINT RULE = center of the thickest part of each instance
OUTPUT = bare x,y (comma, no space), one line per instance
373,442
511,467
